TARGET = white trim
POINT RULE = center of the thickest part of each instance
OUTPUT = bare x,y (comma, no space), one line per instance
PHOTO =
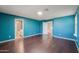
64,38
32,35
76,45
78,50
7,40
75,34
22,25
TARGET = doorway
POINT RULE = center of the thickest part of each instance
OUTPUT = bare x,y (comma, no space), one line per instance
19,28
48,28
47,33
19,35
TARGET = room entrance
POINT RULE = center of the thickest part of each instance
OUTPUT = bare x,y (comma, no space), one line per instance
18,28
48,28
47,33
19,41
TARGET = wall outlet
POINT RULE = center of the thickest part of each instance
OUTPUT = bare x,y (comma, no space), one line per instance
9,36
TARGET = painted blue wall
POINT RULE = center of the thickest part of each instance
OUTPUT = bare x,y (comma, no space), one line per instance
32,27
7,26
64,26
78,28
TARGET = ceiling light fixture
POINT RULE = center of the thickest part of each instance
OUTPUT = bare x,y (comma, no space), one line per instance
40,13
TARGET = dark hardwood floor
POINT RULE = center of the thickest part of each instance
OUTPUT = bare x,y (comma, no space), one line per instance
39,44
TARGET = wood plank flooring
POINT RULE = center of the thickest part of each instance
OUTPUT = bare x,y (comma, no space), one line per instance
39,44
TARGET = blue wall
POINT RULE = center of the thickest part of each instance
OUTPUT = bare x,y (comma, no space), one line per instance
32,27
78,28
64,26
7,26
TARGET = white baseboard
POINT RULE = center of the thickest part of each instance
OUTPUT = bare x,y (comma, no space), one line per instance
14,39
32,35
64,38
7,40
78,50
77,46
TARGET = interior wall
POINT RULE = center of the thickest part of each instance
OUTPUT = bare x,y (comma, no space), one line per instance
7,26
78,27
64,26
32,27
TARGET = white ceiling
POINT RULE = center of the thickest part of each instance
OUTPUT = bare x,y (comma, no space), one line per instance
30,11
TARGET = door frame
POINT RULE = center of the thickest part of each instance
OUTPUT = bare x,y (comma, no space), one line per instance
46,25
22,26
